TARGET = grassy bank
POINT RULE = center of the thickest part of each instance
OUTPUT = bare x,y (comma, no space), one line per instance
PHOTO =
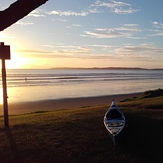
78,135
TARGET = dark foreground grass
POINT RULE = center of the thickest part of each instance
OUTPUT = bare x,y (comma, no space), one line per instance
79,135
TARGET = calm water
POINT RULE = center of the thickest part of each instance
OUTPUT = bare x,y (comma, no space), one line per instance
30,85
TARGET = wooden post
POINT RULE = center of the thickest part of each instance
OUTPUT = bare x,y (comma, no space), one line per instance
5,104
4,54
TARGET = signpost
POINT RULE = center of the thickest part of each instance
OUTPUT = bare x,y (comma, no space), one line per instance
4,54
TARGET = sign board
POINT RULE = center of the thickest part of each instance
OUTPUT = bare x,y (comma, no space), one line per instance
4,51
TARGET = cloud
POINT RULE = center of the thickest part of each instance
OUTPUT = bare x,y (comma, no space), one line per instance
30,52
140,48
126,30
103,33
146,52
99,7
103,48
24,23
142,52
157,25
130,27
66,52
72,52
158,33
76,25
113,6
85,49
158,29
138,38
139,52
37,13
67,13
100,45
124,11
62,20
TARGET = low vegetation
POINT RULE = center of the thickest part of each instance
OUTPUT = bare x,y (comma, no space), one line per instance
78,135
151,99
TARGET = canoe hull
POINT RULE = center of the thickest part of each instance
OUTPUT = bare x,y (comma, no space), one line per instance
114,121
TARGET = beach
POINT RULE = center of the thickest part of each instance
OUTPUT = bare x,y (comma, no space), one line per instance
66,103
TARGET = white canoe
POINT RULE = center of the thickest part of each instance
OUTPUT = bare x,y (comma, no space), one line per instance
114,121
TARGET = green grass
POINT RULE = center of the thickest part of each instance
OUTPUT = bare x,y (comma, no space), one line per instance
78,135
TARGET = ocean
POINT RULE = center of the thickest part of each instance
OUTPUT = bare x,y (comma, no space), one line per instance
44,84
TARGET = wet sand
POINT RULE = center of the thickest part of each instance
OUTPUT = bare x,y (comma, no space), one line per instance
67,103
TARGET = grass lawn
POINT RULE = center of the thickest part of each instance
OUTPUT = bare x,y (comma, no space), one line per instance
79,135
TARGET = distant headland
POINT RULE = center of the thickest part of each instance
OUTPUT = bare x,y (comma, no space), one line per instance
110,68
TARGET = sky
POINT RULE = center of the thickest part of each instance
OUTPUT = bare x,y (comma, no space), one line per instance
87,33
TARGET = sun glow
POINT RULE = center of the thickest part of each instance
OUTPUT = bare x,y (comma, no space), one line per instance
16,61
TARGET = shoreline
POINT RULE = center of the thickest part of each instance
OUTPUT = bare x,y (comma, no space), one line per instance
66,103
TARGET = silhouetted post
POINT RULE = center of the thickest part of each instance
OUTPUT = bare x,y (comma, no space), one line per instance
4,54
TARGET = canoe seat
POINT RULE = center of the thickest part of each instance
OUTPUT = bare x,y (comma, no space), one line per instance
113,114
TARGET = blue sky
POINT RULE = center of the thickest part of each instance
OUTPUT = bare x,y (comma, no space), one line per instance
87,33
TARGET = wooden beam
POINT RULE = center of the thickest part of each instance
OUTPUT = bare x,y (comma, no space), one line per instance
17,11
